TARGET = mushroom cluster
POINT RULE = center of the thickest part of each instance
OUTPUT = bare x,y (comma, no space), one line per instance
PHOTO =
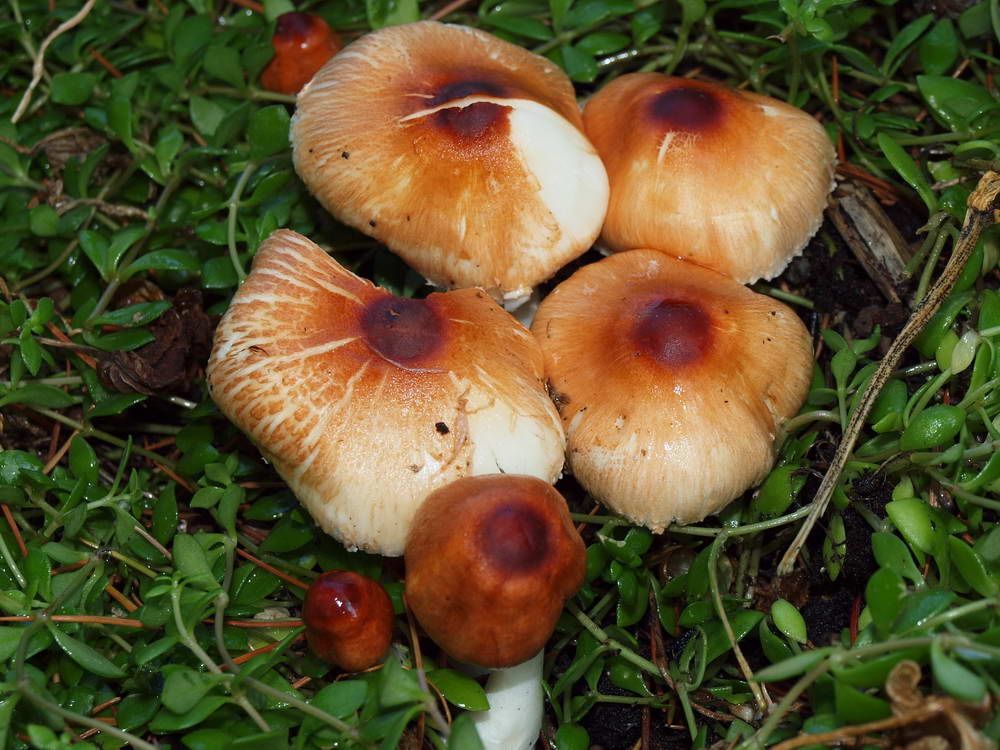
436,427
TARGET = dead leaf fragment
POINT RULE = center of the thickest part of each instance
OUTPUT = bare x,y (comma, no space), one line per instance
174,359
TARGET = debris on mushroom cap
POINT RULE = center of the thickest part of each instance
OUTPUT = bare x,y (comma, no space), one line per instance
729,179
303,42
672,380
463,153
490,562
349,619
365,402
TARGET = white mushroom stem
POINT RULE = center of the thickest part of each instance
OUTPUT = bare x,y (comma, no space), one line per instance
514,718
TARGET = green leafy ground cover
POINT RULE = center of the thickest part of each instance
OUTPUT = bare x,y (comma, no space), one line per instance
150,560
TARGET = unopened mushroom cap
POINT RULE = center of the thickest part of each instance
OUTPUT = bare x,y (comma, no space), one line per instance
349,619
730,179
365,402
463,153
303,42
672,380
490,562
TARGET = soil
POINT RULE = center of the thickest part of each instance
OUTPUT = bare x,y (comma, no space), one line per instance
613,726
840,289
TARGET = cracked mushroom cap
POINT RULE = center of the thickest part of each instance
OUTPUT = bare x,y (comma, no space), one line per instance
672,380
461,152
729,179
490,562
365,402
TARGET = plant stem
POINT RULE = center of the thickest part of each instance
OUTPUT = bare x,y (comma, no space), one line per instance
306,708
109,291
626,653
88,430
784,296
784,705
750,528
221,602
763,700
131,562
233,208
11,563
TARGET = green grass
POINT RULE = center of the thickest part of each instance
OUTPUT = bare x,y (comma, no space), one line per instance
144,541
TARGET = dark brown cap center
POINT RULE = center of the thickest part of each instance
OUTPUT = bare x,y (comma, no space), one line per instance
299,29
473,121
461,89
480,121
514,538
402,330
686,108
674,333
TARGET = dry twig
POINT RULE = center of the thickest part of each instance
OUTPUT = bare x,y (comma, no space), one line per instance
39,67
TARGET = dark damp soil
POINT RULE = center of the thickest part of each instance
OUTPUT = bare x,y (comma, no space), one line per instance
840,288
613,726
828,606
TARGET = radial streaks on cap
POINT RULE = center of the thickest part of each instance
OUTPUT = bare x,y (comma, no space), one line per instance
343,387
727,178
423,136
671,380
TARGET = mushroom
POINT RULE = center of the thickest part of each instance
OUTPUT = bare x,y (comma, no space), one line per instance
349,619
490,562
463,153
303,42
729,179
672,380
365,402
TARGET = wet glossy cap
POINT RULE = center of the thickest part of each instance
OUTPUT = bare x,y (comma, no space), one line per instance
348,619
365,402
463,153
730,179
303,42
490,562
672,380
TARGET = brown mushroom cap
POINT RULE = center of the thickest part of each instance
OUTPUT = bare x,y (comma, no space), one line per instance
348,619
463,153
490,562
671,380
302,42
365,402
732,180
